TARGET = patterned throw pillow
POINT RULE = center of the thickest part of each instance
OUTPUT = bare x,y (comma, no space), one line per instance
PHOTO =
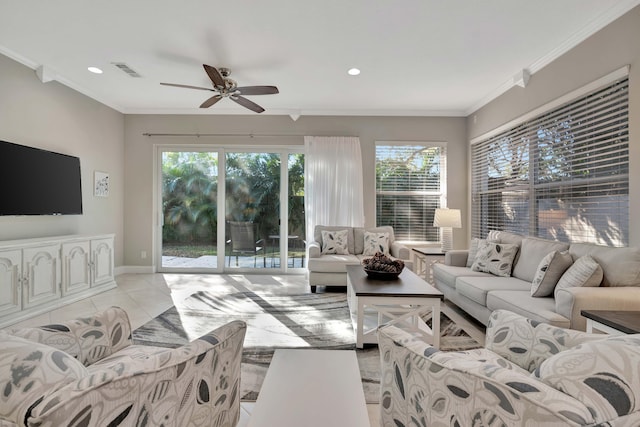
604,375
495,258
584,272
376,242
30,371
549,271
335,242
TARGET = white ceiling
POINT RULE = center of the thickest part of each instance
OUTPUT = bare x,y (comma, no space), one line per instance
418,57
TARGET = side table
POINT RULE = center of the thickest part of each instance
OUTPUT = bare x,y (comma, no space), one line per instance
612,322
424,258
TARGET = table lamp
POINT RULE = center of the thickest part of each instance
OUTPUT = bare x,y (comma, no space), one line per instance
446,219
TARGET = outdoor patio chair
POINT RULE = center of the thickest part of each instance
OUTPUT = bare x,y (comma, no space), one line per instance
243,241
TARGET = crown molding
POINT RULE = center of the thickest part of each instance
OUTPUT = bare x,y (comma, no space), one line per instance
587,31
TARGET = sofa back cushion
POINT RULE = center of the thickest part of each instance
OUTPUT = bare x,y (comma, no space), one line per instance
317,234
604,375
620,266
532,251
30,371
358,233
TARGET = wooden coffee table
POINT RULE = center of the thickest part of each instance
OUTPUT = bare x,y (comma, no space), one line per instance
401,302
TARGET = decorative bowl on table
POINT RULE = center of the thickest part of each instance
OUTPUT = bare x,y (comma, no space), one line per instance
381,267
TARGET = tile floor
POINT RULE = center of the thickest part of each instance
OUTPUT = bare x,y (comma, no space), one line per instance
144,296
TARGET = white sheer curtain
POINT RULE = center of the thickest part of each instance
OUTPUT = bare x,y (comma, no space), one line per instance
333,182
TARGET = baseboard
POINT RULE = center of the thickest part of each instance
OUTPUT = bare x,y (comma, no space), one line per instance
135,269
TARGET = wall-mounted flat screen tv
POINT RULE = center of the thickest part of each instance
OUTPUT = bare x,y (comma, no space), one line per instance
38,182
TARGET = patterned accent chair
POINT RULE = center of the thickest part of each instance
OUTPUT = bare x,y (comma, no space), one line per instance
87,372
529,373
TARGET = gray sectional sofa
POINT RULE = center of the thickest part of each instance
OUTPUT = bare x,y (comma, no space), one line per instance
479,293
331,269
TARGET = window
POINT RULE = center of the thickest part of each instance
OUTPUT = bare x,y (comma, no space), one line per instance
410,185
561,175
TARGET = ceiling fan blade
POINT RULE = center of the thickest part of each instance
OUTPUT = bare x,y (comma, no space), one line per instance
247,104
209,102
187,86
214,75
257,90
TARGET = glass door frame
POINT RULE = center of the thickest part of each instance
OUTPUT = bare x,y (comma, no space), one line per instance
222,150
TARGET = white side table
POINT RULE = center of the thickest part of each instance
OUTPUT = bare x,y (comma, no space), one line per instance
424,258
612,322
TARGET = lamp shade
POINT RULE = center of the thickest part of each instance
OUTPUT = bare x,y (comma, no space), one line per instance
447,218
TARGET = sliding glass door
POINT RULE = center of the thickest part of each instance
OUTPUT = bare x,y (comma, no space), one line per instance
189,204
252,183
231,210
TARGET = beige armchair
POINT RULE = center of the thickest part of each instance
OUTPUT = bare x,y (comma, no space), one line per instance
87,372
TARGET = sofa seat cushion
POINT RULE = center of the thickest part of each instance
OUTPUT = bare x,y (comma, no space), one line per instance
447,274
521,302
476,288
532,251
332,263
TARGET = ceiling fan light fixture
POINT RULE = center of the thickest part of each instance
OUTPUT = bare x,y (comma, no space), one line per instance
94,70
228,88
353,71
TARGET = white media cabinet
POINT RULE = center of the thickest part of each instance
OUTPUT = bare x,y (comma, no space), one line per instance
38,275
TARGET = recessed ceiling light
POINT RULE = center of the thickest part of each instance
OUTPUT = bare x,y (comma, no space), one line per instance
353,72
95,70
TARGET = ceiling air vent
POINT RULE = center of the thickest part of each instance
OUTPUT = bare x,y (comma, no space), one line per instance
124,67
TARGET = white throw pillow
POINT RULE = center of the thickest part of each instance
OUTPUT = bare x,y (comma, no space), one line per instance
375,242
473,250
585,272
335,242
549,271
495,258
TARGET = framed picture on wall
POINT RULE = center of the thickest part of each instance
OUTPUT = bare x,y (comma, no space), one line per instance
101,184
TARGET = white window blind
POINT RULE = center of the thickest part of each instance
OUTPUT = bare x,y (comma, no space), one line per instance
410,185
562,175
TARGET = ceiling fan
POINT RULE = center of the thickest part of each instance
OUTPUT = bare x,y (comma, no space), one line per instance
228,88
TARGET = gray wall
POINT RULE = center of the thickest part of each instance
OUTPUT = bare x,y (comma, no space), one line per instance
139,209
609,49
53,117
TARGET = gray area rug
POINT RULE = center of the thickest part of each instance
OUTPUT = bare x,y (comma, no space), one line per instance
315,321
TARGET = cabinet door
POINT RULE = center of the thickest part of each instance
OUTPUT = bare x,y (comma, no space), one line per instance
41,271
10,280
102,261
76,268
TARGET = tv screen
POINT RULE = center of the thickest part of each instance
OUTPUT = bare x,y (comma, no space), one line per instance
38,182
